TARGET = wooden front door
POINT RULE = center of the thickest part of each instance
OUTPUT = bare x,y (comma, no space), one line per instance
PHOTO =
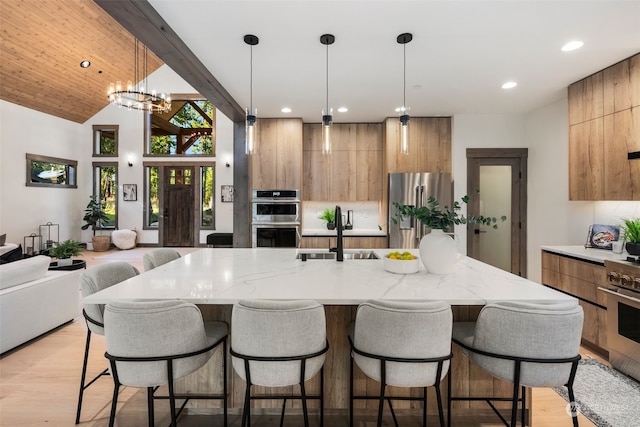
179,196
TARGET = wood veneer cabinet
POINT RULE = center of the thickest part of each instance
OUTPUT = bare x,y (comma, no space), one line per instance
349,242
353,170
604,126
429,145
581,279
277,162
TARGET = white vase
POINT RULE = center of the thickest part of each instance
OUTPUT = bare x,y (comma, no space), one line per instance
438,252
63,262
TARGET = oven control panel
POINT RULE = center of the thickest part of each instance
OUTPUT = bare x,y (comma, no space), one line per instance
623,274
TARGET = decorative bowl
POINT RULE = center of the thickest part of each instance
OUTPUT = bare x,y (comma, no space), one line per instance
401,266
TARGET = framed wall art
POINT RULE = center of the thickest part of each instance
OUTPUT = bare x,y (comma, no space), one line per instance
129,192
226,192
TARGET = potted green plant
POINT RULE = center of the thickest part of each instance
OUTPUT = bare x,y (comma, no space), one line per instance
443,218
63,251
630,229
95,218
329,216
438,251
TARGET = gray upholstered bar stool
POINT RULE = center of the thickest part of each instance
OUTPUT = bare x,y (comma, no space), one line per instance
279,344
93,280
402,344
157,257
153,343
527,344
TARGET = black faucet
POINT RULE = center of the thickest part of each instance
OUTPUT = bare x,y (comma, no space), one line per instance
339,249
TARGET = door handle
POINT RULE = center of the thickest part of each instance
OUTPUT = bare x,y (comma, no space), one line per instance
478,231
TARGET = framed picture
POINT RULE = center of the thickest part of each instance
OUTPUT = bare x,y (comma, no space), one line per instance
129,192
226,192
601,236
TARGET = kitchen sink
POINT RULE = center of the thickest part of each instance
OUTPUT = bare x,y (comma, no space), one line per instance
332,255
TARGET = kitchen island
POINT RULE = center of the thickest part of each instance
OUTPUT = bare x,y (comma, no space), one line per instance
215,279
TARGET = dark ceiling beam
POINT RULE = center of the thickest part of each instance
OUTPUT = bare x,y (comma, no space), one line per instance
145,23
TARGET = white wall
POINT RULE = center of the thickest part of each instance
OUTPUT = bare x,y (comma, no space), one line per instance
131,137
22,208
553,219
479,131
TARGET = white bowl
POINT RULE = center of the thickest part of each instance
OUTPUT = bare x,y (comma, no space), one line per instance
401,266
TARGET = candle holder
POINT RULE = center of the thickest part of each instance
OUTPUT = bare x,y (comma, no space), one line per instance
32,244
50,235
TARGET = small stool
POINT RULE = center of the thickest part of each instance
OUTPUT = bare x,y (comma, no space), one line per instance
124,239
220,240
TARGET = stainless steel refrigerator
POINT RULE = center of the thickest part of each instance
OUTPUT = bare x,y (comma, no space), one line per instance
414,189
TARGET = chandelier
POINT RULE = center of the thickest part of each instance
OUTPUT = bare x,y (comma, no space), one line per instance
135,96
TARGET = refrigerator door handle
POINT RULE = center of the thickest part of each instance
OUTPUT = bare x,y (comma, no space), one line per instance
419,203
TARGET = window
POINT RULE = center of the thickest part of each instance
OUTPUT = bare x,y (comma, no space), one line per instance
105,185
105,140
43,171
207,199
151,200
188,129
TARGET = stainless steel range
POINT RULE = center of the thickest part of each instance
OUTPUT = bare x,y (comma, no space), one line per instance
275,218
623,315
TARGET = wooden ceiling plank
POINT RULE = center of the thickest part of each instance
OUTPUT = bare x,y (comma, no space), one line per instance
41,46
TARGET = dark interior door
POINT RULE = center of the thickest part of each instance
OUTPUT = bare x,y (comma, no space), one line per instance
501,176
179,196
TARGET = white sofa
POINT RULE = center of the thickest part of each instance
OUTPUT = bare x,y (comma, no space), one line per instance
34,300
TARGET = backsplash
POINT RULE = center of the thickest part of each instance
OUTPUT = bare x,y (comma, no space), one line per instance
613,212
366,215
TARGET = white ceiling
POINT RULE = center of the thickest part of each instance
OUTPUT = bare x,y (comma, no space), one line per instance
461,53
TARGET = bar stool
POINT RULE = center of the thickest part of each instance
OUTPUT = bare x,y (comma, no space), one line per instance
91,281
404,345
527,344
154,343
157,257
279,344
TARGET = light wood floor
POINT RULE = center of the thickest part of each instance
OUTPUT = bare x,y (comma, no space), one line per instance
39,385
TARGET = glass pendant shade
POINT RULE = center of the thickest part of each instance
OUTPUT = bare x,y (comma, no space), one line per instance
251,124
404,133
252,112
403,39
327,119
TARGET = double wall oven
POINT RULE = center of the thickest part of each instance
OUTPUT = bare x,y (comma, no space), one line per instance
275,218
623,315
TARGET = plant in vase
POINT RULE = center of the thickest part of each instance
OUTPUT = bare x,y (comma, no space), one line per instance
329,216
95,217
63,251
630,229
438,248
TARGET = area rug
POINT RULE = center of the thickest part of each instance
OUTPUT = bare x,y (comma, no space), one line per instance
605,396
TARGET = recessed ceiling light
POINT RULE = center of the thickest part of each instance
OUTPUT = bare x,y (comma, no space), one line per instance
85,64
286,110
343,110
572,45
509,85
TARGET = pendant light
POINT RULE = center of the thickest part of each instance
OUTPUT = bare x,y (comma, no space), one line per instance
252,113
403,39
327,118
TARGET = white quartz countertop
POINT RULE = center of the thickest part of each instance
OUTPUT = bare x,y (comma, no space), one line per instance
359,232
225,276
588,254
